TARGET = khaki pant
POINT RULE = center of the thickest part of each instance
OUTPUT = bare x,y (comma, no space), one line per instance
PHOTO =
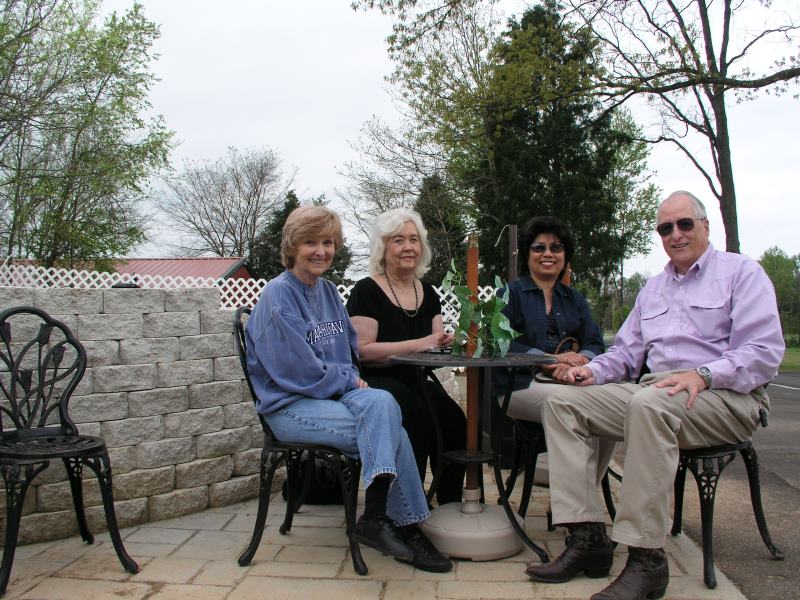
526,404
655,426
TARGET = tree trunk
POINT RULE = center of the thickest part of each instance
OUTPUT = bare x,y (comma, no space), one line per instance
727,197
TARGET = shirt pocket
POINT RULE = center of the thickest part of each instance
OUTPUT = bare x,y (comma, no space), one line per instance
708,317
654,318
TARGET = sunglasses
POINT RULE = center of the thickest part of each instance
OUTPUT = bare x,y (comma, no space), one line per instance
555,248
685,224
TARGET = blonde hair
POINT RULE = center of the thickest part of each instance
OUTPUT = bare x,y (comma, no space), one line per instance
305,223
390,223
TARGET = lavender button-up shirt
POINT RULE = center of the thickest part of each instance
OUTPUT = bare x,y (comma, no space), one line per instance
722,314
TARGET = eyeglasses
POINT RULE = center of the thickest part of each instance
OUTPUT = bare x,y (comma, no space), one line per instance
555,248
685,224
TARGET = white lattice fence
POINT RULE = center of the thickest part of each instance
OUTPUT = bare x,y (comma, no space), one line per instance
233,292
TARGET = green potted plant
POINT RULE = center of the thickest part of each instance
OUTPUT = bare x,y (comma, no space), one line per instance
494,332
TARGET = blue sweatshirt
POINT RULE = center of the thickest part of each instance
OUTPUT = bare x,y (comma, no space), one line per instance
299,343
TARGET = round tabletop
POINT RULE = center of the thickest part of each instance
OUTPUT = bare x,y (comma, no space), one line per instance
444,359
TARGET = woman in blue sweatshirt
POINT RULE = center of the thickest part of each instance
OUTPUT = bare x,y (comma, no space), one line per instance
300,346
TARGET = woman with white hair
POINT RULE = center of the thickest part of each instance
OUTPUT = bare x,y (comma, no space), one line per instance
393,312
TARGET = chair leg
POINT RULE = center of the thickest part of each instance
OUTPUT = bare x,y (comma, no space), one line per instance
605,485
293,476
101,465
520,445
678,488
16,487
269,463
527,481
750,459
74,468
349,476
707,486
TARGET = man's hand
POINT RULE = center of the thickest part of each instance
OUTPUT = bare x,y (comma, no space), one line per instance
577,375
687,380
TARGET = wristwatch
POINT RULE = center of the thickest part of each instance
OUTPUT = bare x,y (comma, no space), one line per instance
705,373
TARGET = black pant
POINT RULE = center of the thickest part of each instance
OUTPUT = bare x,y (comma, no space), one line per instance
421,432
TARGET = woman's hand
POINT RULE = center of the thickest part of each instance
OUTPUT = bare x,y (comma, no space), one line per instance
361,384
439,339
571,359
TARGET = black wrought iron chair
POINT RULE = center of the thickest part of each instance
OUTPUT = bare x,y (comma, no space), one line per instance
42,363
275,452
706,464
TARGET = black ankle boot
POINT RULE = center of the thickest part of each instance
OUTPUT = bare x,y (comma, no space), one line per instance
646,575
589,551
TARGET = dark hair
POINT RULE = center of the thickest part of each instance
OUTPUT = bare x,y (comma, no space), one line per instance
535,227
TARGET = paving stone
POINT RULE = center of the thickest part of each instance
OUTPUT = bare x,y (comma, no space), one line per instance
285,588
104,567
190,592
159,535
311,554
169,570
219,572
213,545
496,589
60,588
305,570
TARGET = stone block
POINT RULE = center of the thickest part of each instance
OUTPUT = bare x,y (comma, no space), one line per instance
65,301
99,407
144,482
52,497
149,350
41,527
223,442
178,503
185,372
217,321
123,459
132,300
158,401
170,324
240,415
86,384
235,490
71,321
193,422
90,429
214,393
129,513
210,345
247,462
228,368
124,378
55,472
132,431
203,472
101,353
192,299
20,296
109,327
257,436
161,453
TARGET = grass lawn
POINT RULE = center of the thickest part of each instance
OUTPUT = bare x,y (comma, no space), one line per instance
791,360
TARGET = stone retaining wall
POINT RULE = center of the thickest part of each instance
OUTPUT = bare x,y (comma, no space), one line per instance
164,387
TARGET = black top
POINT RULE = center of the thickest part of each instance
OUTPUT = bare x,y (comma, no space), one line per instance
367,299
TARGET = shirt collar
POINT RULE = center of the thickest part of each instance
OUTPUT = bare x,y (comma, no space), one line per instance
527,284
696,268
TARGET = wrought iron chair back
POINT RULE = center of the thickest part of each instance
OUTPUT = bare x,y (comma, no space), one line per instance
347,469
41,364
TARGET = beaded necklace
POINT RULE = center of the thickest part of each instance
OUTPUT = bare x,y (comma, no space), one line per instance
400,306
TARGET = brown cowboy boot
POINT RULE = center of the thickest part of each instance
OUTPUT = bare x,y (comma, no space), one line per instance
645,575
589,551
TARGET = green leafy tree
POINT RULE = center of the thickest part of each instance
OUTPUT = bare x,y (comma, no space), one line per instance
447,231
75,151
784,272
548,154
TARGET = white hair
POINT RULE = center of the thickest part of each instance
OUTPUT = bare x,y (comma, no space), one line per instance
699,207
390,223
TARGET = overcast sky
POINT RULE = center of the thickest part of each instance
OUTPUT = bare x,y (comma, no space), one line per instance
302,76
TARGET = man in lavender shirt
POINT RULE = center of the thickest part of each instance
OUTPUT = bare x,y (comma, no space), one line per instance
707,329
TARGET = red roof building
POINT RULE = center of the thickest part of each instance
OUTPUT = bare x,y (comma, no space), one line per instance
204,266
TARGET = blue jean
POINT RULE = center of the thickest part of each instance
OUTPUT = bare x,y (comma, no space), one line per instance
366,423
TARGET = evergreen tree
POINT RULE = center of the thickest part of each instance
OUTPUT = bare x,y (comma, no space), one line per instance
447,230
